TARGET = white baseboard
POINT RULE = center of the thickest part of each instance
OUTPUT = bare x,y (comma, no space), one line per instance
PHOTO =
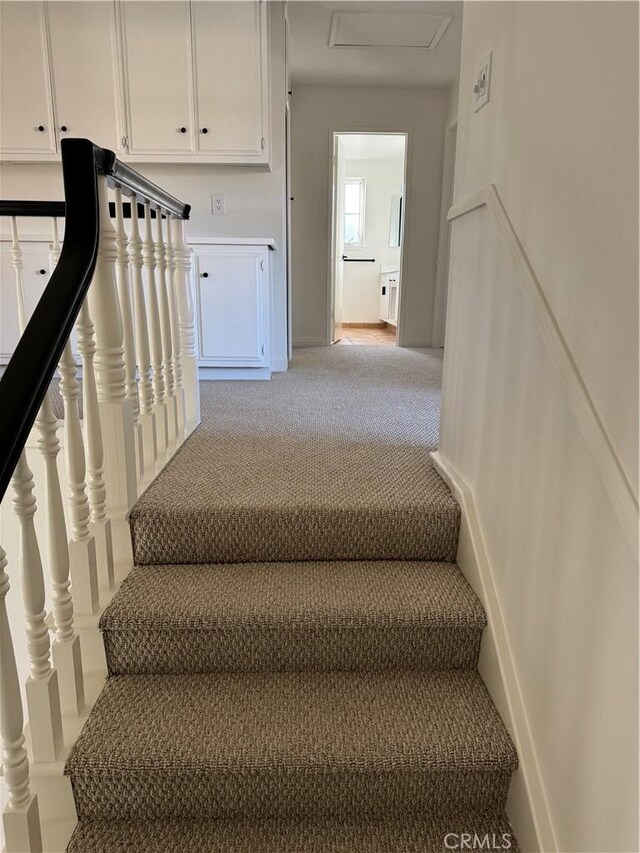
527,807
234,372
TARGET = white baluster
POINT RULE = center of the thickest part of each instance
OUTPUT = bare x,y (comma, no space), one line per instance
20,815
17,264
126,311
100,521
82,547
66,645
116,412
43,697
165,327
155,337
175,331
186,319
146,416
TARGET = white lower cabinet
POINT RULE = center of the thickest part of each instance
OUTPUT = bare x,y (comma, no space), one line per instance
35,276
232,297
389,297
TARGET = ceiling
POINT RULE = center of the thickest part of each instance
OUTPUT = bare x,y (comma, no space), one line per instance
373,146
313,62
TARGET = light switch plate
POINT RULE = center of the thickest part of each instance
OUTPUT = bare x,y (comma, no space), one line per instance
482,83
218,204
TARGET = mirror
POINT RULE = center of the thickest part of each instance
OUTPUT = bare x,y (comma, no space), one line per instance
395,223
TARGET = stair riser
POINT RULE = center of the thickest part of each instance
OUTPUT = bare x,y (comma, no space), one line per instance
248,536
287,794
293,648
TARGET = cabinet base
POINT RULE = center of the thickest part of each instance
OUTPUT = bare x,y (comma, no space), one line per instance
234,372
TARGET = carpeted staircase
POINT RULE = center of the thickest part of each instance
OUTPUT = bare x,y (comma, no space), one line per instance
292,661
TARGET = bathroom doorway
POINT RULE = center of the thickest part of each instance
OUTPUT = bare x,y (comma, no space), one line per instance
368,203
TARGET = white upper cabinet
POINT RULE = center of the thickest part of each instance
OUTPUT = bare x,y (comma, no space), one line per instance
26,109
229,43
84,64
156,42
155,80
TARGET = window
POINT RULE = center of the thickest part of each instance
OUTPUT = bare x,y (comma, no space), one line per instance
354,212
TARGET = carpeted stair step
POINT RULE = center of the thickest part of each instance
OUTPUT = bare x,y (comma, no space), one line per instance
329,461
293,616
293,746
272,836
170,525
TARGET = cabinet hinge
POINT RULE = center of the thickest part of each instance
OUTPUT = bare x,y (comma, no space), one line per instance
262,143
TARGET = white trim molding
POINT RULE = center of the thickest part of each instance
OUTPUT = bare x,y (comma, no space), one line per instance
618,486
528,809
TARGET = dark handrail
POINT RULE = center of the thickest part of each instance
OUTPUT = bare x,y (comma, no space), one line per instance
32,208
27,377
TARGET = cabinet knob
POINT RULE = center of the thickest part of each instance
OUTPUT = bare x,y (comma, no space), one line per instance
205,275
42,272
41,128
63,128
204,130
183,130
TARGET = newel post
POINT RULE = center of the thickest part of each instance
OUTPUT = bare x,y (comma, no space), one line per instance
186,322
20,816
116,411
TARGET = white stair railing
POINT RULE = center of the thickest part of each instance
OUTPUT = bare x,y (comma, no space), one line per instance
140,401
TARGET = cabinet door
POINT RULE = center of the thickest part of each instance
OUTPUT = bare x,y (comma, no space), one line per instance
35,275
85,73
26,111
230,84
158,80
232,306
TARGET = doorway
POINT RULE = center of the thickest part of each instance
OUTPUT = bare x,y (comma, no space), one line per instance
367,228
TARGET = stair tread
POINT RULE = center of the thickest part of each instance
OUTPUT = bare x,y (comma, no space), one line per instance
304,721
202,596
408,835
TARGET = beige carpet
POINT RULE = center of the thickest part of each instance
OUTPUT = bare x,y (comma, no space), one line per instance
293,659
410,835
247,617
329,461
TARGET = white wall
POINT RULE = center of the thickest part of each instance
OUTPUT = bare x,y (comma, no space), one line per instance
255,197
361,294
559,140
317,111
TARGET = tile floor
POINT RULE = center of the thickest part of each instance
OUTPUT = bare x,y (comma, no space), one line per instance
362,336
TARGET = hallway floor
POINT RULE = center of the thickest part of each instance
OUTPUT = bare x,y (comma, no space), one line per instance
366,336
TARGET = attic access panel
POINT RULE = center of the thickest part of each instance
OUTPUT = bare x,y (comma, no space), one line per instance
387,29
